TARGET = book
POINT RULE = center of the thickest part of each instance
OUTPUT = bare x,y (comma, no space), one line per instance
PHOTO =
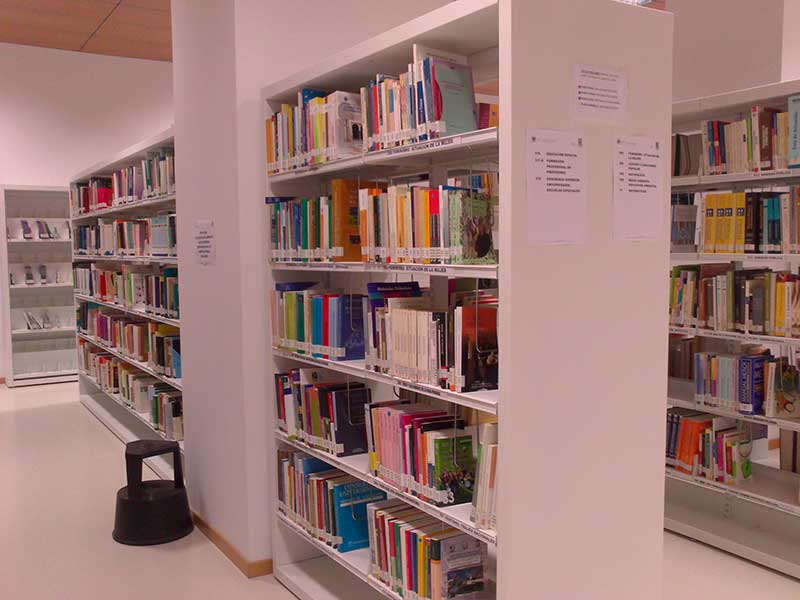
793,145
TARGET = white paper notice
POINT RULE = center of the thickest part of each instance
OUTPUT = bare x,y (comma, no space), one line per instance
638,203
556,174
205,245
600,94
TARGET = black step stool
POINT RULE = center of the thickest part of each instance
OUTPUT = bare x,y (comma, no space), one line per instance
151,512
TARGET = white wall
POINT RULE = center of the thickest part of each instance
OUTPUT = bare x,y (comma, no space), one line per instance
723,45
62,111
790,65
240,48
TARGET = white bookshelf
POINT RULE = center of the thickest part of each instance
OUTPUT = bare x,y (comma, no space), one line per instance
537,387
37,281
109,408
760,519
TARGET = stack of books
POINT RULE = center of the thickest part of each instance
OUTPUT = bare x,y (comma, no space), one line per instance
434,97
144,288
153,236
413,223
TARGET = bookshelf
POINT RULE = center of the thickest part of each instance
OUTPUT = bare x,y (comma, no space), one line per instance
135,188
756,519
534,330
36,282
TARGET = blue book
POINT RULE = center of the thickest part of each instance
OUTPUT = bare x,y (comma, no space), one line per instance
794,131
751,384
350,499
350,326
293,286
316,323
710,135
175,348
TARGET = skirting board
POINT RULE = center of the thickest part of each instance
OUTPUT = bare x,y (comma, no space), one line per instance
250,569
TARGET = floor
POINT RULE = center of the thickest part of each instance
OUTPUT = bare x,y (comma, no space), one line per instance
61,468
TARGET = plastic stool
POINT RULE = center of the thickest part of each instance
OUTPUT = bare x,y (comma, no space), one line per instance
151,512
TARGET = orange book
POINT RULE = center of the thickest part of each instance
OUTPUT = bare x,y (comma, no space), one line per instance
348,219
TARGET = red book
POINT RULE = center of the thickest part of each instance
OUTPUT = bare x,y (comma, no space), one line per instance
717,152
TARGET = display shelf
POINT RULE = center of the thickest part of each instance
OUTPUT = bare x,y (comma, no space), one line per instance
45,377
486,400
93,403
37,286
130,311
734,335
355,561
115,397
729,103
680,392
705,257
156,202
452,149
16,242
127,156
358,466
21,333
476,271
142,260
176,383
323,579
770,487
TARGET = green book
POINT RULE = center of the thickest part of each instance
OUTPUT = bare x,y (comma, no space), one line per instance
304,225
453,464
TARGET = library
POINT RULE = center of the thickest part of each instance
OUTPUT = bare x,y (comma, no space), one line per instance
262,260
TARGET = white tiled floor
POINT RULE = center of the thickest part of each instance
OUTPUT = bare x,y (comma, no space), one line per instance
60,469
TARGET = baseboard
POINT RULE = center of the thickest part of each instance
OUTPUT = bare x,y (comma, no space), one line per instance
774,443
249,569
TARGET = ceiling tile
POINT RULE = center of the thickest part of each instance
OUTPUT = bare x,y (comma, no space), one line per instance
64,24
136,32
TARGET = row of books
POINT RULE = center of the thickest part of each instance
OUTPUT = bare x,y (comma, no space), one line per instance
153,176
766,139
751,382
412,553
751,222
704,445
683,219
419,449
374,223
418,556
395,329
157,345
158,402
719,297
434,97
143,288
153,236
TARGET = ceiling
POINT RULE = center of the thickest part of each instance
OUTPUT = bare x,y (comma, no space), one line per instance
131,28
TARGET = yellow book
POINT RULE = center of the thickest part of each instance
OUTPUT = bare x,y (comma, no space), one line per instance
780,309
710,225
730,222
739,218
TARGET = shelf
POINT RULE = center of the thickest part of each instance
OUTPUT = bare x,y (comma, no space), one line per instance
145,203
486,400
130,311
358,466
733,335
126,157
36,286
176,383
722,105
704,257
158,464
355,561
323,579
22,333
476,271
115,397
142,260
714,410
770,487
37,241
449,149
747,179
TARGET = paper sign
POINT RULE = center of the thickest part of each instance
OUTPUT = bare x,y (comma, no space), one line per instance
600,94
638,203
556,175
205,248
